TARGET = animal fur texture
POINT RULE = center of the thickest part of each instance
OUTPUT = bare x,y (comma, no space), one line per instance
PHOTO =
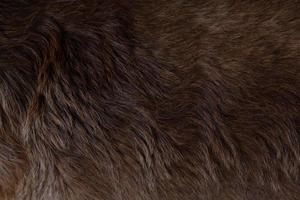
149,100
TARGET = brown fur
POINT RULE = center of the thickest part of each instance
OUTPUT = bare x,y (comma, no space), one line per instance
149,100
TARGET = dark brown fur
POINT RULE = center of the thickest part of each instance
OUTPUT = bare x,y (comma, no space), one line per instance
149,100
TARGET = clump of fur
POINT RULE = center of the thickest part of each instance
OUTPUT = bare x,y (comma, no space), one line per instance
149,100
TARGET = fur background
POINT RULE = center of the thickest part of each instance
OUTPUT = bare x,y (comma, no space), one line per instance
149,100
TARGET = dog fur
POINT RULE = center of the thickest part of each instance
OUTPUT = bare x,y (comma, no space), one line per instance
149,100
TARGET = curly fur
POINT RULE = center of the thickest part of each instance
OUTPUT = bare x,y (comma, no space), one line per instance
149,100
